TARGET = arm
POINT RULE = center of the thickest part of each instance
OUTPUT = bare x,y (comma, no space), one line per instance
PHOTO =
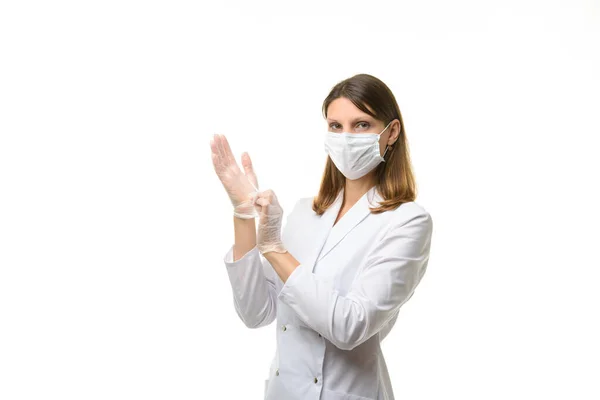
254,287
254,282
393,269
245,236
251,277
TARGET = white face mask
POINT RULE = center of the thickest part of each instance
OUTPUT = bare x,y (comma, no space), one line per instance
354,154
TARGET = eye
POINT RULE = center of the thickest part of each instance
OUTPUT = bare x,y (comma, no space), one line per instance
334,125
363,125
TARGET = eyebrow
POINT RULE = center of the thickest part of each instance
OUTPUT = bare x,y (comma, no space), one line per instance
365,117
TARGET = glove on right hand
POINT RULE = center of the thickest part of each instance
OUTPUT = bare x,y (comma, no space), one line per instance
269,223
242,188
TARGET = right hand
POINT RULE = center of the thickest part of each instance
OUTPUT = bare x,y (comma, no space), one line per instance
241,186
269,224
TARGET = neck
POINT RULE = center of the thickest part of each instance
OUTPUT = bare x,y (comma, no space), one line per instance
355,189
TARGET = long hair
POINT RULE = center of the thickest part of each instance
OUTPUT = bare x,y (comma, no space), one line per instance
394,177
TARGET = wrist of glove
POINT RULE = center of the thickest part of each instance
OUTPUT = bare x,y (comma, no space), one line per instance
246,209
270,217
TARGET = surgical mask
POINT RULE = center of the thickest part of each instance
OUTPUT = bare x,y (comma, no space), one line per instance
354,154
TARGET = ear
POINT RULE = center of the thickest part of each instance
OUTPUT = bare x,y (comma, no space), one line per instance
394,132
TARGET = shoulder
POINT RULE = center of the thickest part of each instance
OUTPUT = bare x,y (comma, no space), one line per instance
410,210
408,228
409,214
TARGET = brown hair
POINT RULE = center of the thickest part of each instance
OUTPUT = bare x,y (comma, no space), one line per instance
394,177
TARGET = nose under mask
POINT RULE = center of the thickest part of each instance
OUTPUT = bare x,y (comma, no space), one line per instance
354,154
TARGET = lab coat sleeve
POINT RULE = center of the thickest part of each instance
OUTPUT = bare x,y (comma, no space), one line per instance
388,327
392,270
254,285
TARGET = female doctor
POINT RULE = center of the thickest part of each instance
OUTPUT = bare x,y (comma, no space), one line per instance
346,260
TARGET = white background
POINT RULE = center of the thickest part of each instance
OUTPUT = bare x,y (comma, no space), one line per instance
113,224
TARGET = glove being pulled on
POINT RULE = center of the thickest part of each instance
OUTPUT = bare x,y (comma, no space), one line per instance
240,186
270,216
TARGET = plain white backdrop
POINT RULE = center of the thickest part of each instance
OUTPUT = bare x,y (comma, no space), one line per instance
113,225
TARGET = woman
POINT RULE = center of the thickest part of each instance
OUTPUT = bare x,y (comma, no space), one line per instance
347,259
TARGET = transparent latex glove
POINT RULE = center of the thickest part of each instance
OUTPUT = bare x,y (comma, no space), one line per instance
270,216
241,187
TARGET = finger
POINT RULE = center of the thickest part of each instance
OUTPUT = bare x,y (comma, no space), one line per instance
263,213
215,161
219,147
268,194
227,149
213,146
262,201
249,170
215,151
253,197
260,195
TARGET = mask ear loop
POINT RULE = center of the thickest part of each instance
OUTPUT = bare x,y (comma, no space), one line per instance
386,149
387,146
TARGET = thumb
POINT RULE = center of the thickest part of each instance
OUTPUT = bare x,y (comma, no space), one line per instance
257,206
249,169
264,204
262,201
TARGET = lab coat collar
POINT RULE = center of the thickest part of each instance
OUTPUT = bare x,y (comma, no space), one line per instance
355,215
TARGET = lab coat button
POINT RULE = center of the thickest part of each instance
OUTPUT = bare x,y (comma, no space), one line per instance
277,372
283,327
316,380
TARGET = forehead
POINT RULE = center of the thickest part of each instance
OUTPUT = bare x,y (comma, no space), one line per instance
342,109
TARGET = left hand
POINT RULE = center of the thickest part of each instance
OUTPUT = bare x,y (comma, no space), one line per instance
269,223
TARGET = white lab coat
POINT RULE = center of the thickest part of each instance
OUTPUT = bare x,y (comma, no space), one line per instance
340,302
